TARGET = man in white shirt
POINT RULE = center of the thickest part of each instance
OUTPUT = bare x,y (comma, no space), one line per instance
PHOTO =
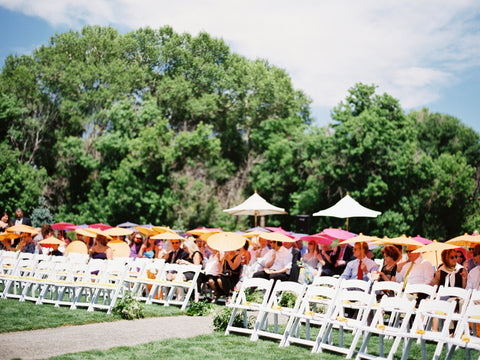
473,281
362,266
278,263
416,270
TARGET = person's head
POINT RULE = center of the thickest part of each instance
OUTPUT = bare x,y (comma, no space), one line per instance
449,257
276,244
476,254
55,246
246,245
326,247
5,217
190,246
410,254
137,239
287,244
262,243
299,244
460,257
19,213
46,230
392,252
200,242
360,250
102,240
312,247
175,244
25,236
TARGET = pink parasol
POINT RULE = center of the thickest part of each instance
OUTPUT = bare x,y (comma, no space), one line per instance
100,226
318,238
279,230
63,226
339,234
422,240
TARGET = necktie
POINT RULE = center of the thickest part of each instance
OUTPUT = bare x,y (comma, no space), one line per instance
360,271
406,275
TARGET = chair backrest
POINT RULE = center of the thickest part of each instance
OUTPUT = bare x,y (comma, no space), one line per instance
445,292
430,309
318,298
77,258
379,286
355,284
280,293
10,254
249,286
26,256
326,281
428,290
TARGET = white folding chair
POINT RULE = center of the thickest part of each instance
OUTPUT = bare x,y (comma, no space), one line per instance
252,296
466,336
178,290
327,281
33,284
16,282
54,284
85,287
384,328
355,284
109,287
421,330
278,305
424,290
8,267
352,311
150,276
459,295
316,308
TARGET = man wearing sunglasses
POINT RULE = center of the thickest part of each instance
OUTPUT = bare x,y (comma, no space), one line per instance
176,253
473,280
416,270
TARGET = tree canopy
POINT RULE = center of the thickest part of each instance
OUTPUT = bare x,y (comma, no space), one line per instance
157,127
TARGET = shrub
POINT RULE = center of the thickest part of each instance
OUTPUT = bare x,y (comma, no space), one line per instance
288,299
201,308
222,317
129,308
255,296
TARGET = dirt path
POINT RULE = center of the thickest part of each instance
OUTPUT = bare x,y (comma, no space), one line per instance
41,344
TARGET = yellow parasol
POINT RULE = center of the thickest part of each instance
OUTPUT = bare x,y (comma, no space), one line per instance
276,236
76,246
361,238
433,252
162,229
145,231
118,231
22,229
167,236
51,241
226,241
400,240
119,248
464,240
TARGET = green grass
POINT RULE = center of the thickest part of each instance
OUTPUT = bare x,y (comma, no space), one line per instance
20,316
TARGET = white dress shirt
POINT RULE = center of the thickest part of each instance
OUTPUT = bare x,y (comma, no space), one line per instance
422,272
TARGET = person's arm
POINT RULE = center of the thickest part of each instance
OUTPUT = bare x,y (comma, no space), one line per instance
436,278
464,278
109,253
141,251
347,273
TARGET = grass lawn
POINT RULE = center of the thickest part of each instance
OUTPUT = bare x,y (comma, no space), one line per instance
26,316
19,316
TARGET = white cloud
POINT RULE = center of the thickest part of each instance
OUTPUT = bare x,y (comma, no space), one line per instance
411,49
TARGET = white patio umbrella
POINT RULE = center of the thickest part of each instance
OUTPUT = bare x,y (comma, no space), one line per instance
257,206
347,208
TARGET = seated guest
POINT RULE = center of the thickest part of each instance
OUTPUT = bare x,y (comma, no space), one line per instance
259,253
149,249
325,261
175,252
473,280
100,249
461,256
278,263
232,266
415,271
5,222
195,257
310,258
203,248
136,245
342,254
296,257
55,251
391,256
245,254
362,267
27,244
450,273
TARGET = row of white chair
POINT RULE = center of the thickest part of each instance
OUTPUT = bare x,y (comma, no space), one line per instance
97,284
335,308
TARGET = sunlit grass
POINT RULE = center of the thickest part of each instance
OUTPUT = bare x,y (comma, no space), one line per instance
19,316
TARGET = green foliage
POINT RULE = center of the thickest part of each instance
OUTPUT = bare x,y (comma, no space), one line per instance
288,299
254,296
129,308
200,308
222,317
42,214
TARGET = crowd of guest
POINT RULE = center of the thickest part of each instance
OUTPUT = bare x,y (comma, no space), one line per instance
277,260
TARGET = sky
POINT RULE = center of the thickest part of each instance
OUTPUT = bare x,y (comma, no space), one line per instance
424,53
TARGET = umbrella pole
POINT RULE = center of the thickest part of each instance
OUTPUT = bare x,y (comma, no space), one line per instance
347,224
